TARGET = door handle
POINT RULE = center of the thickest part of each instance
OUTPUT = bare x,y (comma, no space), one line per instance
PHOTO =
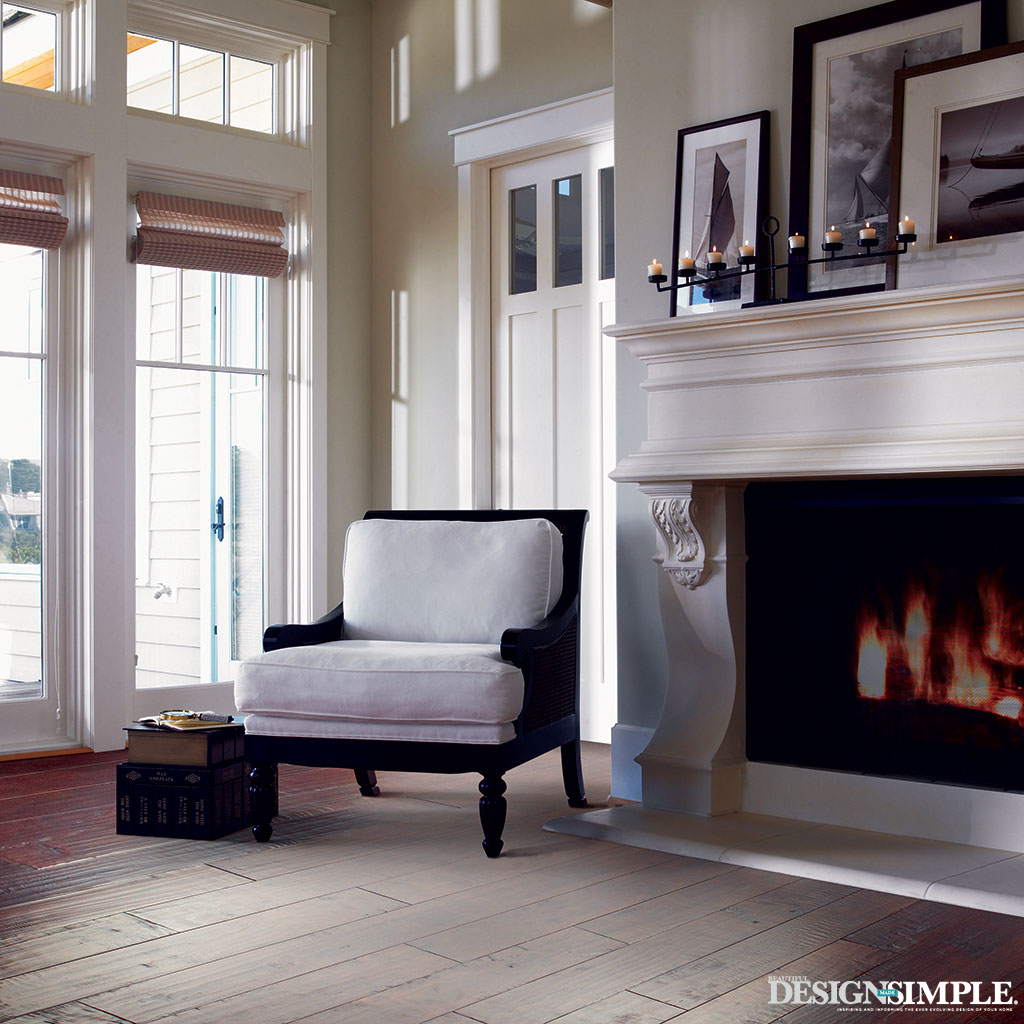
218,525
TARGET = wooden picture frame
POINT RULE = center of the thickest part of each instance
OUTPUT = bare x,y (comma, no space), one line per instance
720,196
843,71
958,162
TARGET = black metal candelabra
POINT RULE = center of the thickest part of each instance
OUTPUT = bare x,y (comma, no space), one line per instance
714,273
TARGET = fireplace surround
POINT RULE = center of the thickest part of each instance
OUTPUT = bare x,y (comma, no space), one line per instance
894,385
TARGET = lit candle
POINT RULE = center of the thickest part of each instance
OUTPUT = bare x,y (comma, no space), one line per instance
653,268
797,241
685,262
868,232
714,256
746,249
907,226
833,236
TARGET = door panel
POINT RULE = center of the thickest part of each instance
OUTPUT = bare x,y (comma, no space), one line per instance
552,384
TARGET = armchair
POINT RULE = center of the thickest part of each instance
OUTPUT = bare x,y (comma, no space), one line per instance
456,650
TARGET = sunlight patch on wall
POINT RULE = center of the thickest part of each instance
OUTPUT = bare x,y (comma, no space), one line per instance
399,399
400,88
477,40
587,10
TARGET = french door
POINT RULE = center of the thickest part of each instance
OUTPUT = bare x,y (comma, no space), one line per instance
553,383
204,489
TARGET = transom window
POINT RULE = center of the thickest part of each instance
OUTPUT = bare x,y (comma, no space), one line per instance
28,46
216,86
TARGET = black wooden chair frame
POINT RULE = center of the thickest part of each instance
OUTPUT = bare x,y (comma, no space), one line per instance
547,654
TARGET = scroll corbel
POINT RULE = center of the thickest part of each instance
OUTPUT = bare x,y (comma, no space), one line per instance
681,551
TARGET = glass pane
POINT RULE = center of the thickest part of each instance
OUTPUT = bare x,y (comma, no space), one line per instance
21,505
606,186
523,232
29,46
199,327
150,73
247,305
245,585
201,84
172,524
21,299
156,312
252,94
568,200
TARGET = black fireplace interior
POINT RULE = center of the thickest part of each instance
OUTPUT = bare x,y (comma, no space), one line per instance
885,627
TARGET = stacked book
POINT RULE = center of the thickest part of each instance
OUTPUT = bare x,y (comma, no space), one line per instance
190,784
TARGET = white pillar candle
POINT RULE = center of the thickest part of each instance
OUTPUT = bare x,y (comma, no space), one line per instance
907,226
714,256
833,235
685,262
746,250
653,268
868,232
797,241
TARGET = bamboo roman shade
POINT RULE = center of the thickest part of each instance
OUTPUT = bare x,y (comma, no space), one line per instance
194,234
30,212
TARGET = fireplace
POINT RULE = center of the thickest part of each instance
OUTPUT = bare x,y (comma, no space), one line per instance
897,647
901,404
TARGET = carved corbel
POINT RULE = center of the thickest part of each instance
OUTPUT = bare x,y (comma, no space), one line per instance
681,551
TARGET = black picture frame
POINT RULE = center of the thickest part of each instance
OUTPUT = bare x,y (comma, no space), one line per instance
984,20
970,207
702,144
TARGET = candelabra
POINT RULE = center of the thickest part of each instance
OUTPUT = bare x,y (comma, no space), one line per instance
716,270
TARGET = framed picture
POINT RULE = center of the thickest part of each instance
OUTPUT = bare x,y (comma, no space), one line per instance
843,70
721,191
958,163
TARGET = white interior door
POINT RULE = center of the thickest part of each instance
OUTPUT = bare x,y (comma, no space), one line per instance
553,392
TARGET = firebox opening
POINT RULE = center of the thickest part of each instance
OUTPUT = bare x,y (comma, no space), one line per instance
885,627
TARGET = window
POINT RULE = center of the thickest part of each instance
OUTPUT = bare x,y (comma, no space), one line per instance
22,367
204,84
200,401
28,46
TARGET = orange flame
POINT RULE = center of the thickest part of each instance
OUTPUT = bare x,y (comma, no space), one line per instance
955,663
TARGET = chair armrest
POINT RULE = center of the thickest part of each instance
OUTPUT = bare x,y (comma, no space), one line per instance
518,644
294,634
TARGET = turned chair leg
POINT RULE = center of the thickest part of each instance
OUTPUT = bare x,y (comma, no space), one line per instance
492,812
263,799
367,779
572,774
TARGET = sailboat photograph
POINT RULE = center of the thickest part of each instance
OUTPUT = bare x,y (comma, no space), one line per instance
981,171
718,212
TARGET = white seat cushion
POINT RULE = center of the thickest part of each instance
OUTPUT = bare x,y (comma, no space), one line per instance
338,729
449,581
383,681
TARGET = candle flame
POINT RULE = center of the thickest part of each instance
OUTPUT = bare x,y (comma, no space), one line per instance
746,241
867,223
832,228
714,248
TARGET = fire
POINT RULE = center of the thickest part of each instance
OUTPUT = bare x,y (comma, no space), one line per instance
911,654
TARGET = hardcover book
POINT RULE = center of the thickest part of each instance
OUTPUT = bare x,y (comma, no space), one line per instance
203,748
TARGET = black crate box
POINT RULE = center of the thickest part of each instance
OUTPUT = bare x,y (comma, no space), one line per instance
184,802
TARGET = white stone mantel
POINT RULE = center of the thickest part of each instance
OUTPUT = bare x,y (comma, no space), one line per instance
920,381
923,381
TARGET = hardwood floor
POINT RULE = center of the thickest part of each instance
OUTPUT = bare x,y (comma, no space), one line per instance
385,910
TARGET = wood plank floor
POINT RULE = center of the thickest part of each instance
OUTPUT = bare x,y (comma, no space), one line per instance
386,911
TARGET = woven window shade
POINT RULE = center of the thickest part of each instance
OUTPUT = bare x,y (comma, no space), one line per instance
194,234
30,212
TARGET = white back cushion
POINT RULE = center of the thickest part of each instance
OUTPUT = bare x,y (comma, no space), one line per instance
449,581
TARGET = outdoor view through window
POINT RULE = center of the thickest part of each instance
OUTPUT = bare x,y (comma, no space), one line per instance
21,460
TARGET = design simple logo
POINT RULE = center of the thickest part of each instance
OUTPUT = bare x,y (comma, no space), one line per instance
791,990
